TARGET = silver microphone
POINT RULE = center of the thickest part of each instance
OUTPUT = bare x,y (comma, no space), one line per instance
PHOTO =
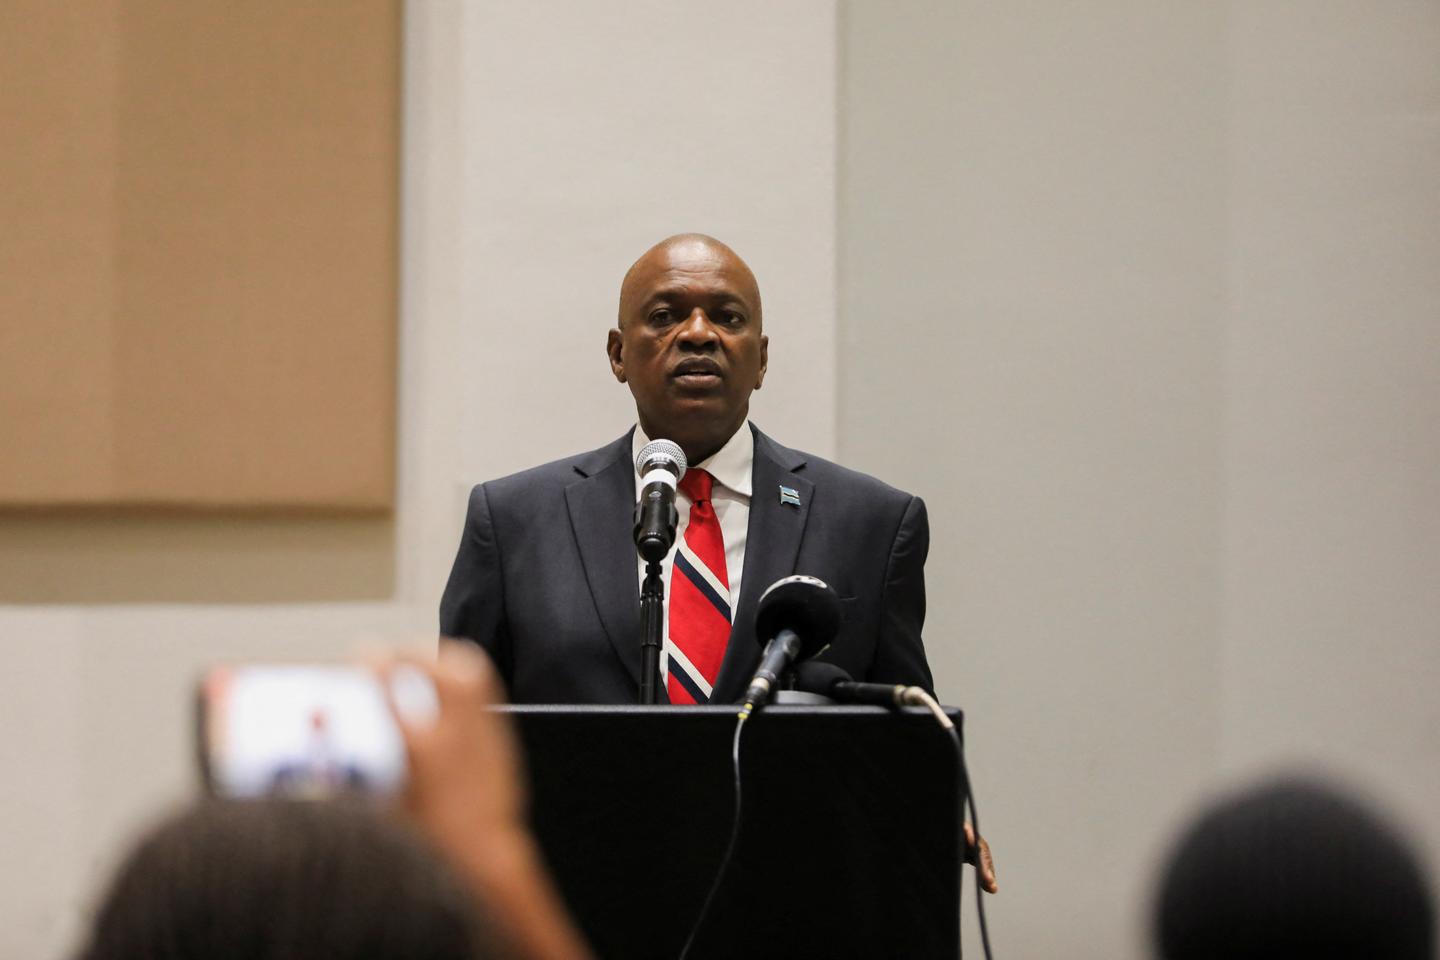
661,464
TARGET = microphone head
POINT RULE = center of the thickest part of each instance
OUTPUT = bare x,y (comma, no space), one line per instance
661,455
817,676
804,604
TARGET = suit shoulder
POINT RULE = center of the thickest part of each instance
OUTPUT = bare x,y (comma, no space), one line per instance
556,472
819,470
828,473
553,477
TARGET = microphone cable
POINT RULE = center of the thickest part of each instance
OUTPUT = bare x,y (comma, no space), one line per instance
734,836
909,696
915,696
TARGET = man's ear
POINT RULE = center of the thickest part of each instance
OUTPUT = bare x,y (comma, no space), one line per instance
613,342
764,360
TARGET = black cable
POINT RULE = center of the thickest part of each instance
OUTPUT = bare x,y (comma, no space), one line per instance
916,696
729,847
969,799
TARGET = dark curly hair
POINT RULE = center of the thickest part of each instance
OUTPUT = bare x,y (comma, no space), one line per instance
1293,868
284,880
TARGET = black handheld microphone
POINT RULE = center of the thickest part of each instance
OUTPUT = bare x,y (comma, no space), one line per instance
830,681
661,464
797,618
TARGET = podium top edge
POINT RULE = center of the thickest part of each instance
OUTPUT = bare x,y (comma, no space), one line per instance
723,710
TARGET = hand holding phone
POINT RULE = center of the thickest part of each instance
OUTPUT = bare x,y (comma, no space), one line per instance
307,731
426,731
466,790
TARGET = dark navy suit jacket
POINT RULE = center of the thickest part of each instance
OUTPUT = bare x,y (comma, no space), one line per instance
546,578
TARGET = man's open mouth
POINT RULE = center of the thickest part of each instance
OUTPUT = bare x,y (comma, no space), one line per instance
697,372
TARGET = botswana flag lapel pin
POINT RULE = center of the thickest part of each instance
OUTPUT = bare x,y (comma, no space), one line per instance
789,495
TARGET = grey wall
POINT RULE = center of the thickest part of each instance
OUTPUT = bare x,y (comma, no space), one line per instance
1330,553
1142,298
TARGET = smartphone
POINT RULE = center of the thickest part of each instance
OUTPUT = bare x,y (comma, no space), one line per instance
305,730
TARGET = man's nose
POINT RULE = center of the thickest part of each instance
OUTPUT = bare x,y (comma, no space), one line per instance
697,332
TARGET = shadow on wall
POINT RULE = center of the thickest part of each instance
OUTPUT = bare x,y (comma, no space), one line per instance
175,558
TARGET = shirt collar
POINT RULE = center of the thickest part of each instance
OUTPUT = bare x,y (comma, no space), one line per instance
731,465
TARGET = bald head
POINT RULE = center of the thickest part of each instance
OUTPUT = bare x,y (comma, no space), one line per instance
699,251
688,342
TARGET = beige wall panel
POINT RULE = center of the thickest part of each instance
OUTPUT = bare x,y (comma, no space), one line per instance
99,557
251,265
57,184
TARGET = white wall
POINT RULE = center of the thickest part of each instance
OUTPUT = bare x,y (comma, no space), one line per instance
1142,298
596,130
1031,284
1331,469
545,147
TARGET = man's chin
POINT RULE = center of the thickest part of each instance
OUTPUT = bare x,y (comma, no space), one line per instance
695,424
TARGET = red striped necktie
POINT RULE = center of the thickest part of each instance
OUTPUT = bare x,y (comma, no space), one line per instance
699,598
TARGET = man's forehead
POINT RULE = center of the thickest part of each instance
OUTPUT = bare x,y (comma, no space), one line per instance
680,258
690,247
712,279
689,264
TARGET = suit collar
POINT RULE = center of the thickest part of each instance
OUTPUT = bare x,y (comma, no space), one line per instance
613,453
601,503
772,545
782,456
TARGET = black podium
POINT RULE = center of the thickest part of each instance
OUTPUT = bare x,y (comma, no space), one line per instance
849,844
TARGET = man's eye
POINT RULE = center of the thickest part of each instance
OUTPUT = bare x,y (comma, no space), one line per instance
731,318
660,316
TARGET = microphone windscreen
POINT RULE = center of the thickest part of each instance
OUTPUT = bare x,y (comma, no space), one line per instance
804,604
661,455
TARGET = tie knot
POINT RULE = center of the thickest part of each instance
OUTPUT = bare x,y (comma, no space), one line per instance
696,485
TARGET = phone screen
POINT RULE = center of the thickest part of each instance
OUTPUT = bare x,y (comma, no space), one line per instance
299,731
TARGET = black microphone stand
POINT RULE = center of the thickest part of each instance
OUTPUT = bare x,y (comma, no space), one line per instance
652,630
655,523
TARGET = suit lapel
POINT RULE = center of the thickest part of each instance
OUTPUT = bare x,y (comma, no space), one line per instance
601,508
772,543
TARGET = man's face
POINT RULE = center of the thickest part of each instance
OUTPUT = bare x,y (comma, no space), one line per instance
690,344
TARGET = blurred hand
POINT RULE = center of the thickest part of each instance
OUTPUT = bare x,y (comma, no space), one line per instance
979,854
466,790
465,778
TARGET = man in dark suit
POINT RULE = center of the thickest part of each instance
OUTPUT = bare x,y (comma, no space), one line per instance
547,579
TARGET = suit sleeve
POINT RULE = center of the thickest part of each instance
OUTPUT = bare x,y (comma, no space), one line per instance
900,655
473,605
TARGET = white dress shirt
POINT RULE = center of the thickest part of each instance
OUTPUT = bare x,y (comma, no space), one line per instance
731,466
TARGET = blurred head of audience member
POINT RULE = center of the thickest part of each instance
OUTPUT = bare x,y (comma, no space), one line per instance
1293,868
285,879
